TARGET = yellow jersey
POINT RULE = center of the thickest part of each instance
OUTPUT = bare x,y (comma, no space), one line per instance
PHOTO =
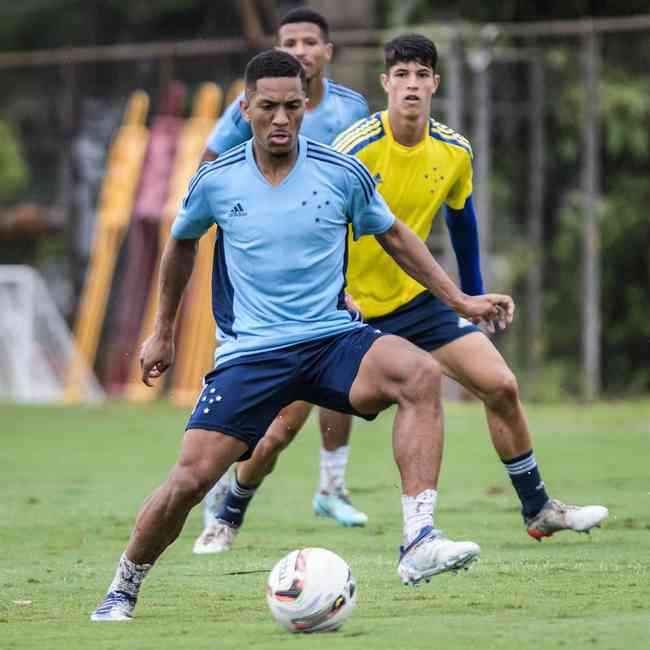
415,182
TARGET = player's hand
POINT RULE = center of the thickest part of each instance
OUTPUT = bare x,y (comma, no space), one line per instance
351,304
156,355
493,309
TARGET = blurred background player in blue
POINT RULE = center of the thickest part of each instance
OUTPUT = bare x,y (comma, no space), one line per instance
331,108
283,204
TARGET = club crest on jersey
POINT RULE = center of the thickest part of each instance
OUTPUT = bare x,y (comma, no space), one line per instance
238,210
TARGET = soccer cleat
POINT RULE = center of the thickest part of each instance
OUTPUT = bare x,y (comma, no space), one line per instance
217,537
556,516
116,606
431,553
339,508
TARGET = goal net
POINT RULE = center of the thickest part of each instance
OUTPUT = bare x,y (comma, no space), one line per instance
36,347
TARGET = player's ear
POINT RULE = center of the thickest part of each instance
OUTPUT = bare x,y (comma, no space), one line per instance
245,108
383,77
436,83
329,51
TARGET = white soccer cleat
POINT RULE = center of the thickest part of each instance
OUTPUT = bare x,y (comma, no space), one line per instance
431,553
556,516
116,606
217,537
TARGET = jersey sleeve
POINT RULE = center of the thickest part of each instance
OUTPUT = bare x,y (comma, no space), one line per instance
230,130
360,111
462,188
367,210
463,230
195,216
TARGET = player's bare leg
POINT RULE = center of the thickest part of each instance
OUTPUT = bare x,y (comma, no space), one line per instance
395,371
476,363
332,498
204,457
222,523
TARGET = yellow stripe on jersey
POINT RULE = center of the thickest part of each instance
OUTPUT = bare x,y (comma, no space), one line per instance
444,133
415,181
365,129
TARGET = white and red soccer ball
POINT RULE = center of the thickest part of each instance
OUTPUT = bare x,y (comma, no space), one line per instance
311,590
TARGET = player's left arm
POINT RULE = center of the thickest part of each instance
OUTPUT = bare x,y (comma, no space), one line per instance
463,230
370,215
412,255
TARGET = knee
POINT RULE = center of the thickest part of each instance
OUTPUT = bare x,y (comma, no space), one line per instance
275,441
503,392
422,379
188,484
284,428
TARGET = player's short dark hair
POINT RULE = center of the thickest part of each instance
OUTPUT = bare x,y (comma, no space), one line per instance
410,47
272,63
305,15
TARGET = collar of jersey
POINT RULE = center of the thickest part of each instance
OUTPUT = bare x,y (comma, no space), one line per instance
302,154
407,151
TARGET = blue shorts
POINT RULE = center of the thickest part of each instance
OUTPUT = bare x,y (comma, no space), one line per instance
425,322
242,397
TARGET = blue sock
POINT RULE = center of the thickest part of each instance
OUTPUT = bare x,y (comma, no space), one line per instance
528,483
236,502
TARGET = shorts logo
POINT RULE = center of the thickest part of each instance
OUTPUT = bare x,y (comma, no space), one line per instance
238,210
463,322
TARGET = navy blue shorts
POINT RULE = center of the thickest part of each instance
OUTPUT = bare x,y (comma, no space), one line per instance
425,322
242,397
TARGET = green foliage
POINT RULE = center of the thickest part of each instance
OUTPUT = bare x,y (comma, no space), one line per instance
14,175
72,480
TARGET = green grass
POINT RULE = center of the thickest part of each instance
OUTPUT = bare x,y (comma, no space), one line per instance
72,479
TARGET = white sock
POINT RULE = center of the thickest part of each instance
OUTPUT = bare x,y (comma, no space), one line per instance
129,576
418,512
332,469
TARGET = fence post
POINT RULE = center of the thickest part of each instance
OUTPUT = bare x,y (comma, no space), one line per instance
535,217
480,64
591,312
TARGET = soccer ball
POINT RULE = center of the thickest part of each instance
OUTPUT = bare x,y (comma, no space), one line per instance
311,590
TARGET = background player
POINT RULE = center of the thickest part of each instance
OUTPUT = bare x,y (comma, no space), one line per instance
283,204
331,108
419,165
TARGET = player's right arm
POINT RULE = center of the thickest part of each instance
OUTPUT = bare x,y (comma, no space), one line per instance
194,219
230,130
157,352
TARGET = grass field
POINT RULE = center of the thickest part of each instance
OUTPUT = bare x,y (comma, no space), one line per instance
72,480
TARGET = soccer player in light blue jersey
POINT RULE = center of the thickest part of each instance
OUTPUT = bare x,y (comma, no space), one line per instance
283,204
331,108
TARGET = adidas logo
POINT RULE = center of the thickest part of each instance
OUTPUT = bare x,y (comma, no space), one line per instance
238,210
377,178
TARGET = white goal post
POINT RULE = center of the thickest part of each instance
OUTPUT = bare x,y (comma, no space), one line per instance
36,347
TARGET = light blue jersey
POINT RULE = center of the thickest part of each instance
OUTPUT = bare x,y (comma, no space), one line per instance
281,251
339,108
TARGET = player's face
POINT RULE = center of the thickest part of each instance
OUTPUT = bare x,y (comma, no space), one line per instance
305,42
410,86
275,111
